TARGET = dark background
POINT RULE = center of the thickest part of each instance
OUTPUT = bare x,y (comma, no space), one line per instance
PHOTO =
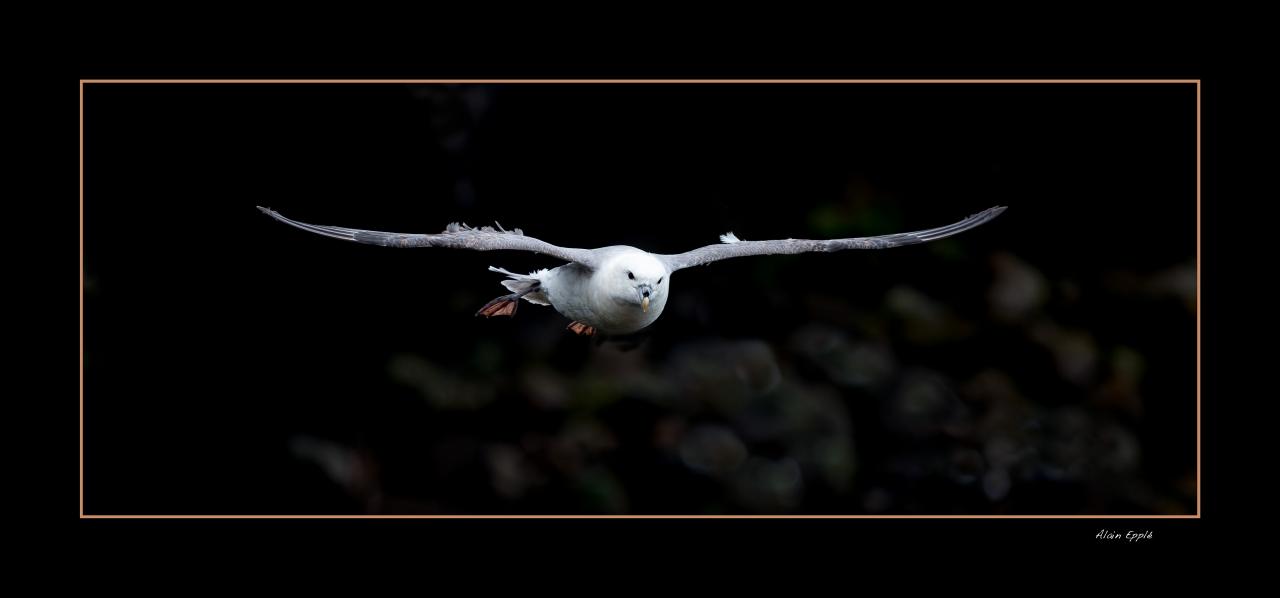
1043,363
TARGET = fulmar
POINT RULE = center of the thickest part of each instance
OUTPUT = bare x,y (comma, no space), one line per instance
618,289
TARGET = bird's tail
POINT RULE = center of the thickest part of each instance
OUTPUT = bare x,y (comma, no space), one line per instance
524,283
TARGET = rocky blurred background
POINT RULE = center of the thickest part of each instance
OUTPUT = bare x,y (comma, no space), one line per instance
1043,363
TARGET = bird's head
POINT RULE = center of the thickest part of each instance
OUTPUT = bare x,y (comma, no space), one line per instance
637,279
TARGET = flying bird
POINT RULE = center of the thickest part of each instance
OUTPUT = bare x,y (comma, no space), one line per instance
616,289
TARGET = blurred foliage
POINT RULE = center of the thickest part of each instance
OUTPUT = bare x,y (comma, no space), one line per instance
1043,363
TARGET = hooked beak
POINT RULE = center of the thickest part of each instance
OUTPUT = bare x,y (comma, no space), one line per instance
644,304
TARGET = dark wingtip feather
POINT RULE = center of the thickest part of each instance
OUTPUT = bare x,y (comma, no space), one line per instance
991,214
984,216
274,214
973,221
344,234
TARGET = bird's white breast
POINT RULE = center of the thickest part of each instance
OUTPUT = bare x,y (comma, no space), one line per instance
590,296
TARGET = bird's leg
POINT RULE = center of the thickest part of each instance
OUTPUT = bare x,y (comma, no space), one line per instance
505,305
582,329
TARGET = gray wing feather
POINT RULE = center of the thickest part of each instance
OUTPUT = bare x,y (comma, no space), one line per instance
456,236
732,248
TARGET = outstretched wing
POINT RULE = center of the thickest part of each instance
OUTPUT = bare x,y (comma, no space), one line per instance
730,246
456,236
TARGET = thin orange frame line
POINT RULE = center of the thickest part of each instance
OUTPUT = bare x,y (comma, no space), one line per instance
1199,476
646,81
82,299
640,517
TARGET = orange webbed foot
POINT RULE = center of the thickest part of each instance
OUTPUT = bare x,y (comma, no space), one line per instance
582,329
502,306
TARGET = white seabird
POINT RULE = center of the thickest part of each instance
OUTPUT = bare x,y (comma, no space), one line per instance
616,289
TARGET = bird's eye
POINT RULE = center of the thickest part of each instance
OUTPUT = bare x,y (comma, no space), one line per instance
631,276
660,279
